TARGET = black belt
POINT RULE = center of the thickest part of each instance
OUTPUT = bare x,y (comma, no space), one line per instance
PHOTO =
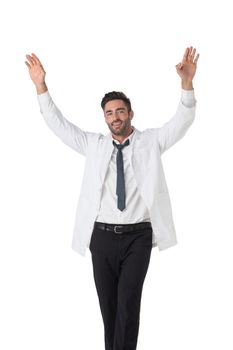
122,228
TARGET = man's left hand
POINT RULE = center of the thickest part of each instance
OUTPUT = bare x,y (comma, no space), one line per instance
187,68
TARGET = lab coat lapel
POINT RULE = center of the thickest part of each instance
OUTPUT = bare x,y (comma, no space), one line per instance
105,156
134,144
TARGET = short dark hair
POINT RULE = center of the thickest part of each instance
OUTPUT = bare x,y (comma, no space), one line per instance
116,95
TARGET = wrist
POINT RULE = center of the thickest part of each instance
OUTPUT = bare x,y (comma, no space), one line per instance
41,88
187,84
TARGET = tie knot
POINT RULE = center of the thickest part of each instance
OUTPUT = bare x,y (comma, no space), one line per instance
121,145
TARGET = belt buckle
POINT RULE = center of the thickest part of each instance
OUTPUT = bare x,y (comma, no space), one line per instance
117,231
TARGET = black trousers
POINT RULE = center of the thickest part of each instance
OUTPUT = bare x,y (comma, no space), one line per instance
120,263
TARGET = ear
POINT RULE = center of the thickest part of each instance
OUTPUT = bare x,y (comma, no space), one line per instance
131,114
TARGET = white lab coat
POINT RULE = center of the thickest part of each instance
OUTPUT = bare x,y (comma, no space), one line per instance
145,158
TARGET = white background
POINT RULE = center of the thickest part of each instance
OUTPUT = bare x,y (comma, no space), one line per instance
47,293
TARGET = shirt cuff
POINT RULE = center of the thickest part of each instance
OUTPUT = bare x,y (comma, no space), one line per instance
44,101
188,98
45,96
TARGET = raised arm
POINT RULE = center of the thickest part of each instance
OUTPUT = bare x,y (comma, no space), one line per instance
69,133
176,127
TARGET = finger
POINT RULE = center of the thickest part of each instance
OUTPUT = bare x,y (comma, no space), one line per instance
190,53
185,56
193,54
27,64
30,59
36,59
179,65
179,68
196,59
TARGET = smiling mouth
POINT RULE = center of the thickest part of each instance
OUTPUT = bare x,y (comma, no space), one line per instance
117,124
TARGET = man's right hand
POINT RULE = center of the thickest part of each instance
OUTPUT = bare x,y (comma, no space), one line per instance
37,73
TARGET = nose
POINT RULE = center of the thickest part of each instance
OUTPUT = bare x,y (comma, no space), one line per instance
115,115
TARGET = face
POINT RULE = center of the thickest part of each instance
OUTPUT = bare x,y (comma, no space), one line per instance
118,118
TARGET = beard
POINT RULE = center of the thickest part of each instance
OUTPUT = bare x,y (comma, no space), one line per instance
120,127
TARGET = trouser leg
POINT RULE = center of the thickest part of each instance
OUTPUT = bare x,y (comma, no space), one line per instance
134,266
104,259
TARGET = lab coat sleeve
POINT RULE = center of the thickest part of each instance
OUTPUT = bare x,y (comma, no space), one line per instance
69,133
173,130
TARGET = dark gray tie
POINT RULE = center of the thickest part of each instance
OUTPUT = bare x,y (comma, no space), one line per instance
120,187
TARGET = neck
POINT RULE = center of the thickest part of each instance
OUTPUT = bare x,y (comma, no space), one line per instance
121,138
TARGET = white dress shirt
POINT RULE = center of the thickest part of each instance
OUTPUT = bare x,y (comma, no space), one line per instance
135,210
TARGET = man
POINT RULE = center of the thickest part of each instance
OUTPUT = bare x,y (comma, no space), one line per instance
124,207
